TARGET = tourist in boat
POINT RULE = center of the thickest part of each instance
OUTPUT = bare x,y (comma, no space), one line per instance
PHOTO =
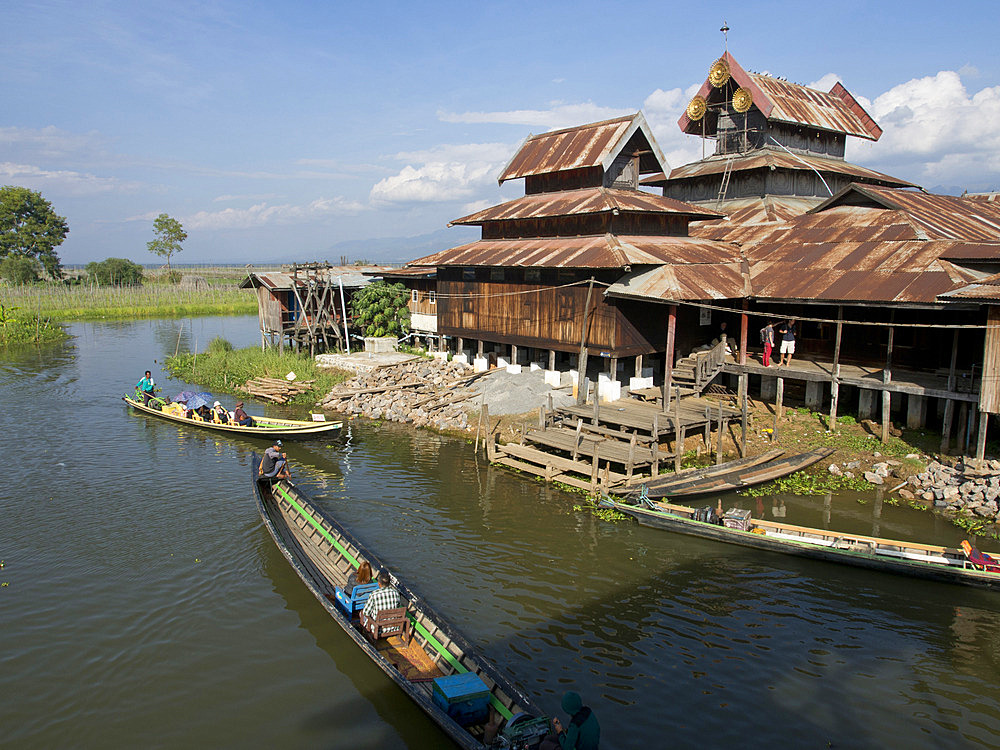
146,388
583,732
356,578
219,414
240,417
385,598
787,331
274,464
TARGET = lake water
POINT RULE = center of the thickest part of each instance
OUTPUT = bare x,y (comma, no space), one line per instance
143,604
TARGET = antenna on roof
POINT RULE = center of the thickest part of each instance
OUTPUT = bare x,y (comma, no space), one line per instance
725,34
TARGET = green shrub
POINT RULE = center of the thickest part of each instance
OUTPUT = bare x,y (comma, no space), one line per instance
219,345
114,272
20,269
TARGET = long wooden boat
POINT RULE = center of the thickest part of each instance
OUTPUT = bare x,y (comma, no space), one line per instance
323,554
733,475
932,562
267,426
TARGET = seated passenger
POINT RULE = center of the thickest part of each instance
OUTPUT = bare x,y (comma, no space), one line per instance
240,417
205,413
274,464
583,732
363,575
219,415
385,598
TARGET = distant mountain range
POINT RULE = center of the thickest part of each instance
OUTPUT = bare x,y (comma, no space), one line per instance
401,249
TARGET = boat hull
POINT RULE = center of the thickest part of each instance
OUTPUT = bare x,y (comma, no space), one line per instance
276,504
267,427
930,571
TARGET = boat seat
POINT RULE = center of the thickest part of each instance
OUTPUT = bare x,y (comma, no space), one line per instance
980,560
358,598
389,622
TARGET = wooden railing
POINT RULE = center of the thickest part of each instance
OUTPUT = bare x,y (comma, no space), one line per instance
708,364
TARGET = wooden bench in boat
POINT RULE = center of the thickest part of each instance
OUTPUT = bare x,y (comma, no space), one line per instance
389,622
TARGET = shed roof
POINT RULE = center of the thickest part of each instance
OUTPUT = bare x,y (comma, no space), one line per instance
594,251
836,110
593,145
353,277
677,282
589,200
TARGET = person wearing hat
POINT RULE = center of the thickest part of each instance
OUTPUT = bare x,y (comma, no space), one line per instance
219,414
240,417
583,732
274,464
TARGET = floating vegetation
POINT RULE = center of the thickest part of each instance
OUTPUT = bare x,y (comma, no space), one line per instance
802,483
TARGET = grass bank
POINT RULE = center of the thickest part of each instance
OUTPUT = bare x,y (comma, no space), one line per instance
20,327
221,368
59,302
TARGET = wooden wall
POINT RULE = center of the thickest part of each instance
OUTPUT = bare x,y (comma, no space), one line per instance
989,396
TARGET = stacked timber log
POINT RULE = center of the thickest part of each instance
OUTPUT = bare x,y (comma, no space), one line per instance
425,393
278,390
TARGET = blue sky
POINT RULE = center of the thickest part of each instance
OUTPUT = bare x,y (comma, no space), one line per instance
275,130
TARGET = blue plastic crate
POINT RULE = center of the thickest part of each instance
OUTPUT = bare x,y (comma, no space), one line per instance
464,697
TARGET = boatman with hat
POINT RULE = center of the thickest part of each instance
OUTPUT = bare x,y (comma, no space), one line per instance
583,732
274,464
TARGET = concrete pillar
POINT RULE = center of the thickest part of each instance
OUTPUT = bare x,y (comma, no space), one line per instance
866,403
768,387
814,394
916,411
552,359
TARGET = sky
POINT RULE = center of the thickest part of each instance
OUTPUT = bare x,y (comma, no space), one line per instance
274,131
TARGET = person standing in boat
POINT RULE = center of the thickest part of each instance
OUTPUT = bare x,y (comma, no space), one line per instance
583,732
146,387
274,464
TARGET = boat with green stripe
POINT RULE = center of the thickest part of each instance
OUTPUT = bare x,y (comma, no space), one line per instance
323,554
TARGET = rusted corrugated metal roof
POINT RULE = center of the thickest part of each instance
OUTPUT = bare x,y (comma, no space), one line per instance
353,277
592,145
410,272
677,282
770,158
745,217
584,201
598,251
835,110
986,289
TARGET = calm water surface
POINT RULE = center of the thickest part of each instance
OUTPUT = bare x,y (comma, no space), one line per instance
144,605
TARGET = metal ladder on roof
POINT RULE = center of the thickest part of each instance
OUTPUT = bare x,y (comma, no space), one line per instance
726,174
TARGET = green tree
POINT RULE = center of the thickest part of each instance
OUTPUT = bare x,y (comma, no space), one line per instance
115,272
30,228
381,308
20,269
169,235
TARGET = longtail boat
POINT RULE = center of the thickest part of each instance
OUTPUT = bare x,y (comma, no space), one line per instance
266,426
323,554
966,566
733,475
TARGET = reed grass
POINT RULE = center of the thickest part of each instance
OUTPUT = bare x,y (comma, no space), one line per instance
221,368
59,302
19,327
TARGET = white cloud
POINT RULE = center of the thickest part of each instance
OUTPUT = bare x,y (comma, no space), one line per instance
448,172
935,130
262,214
60,181
558,115
49,142
825,83
229,198
663,109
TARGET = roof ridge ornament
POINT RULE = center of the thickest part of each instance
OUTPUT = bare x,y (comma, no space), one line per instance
718,74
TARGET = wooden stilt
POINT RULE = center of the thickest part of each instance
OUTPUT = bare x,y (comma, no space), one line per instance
744,321
679,453
597,406
981,444
638,365
552,359
744,378
718,445
963,430
886,395
779,397
949,413
630,465
576,439
970,427
581,396
668,355
834,397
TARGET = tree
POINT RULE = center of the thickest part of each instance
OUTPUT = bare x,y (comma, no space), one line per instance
115,272
382,309
30,228
169,236
20,269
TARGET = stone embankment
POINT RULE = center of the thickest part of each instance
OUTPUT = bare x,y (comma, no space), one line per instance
425,393
961,488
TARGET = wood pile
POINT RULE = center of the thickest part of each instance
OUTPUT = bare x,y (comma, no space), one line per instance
425,393
278,390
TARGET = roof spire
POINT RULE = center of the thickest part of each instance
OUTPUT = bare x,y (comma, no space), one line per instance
725,34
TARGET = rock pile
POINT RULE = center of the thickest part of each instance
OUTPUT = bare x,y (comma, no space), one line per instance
964,487
425,393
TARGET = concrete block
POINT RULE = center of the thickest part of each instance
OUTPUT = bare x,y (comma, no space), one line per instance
609,390
916,411
535,367
553,378
462,359
502,362
603,378
574,377
443,356
514,369
635,384
866,403
380,345
768,388
814,394
480,364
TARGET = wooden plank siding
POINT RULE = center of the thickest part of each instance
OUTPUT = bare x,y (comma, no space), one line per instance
538,315
989,395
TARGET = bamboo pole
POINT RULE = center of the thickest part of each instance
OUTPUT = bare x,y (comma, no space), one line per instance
582,363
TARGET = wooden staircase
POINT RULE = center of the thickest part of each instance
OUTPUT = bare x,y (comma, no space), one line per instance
693,373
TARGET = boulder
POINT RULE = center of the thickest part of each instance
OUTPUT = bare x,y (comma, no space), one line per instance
874,478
